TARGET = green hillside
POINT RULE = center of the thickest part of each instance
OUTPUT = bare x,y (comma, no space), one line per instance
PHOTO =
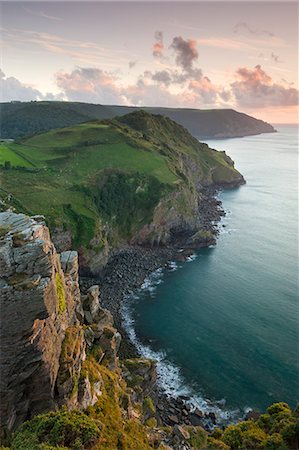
20,119
103,180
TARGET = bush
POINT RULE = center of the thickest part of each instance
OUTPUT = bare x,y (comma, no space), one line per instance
245,435
71,429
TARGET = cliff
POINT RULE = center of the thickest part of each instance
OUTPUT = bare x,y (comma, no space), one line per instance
62,384
25,118
45,324
59,358
139,179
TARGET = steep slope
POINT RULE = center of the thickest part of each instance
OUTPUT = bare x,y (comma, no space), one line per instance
20,119
139,179
63,385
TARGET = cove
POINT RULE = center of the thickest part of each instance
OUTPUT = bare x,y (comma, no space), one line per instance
226,322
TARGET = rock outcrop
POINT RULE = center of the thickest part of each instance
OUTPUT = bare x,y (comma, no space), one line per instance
46,326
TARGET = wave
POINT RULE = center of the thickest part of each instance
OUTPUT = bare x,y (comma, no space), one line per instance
169,376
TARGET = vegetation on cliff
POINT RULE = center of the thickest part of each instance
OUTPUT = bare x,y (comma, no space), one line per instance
25,118
103,181
103,426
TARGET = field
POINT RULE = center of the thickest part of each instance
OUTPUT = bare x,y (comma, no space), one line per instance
103,179
7,153
58,173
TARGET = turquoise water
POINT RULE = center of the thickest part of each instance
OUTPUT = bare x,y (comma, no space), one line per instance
224,326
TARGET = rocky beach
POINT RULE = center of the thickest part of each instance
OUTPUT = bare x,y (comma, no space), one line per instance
125,273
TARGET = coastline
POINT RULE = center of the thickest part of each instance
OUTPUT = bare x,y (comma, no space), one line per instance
125,273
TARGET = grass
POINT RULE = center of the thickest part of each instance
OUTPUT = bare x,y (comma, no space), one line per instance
7,153
67,166
61,306
67,174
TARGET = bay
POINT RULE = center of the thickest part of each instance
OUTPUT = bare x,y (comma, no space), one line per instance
224,326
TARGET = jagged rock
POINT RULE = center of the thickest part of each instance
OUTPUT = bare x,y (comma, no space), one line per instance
141,375
103,319
109,343
198,413
73,353
212,416
88,395
181,432
90,301
89,336
38,301
173,419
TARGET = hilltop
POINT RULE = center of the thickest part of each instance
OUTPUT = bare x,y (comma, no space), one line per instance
20,119
140,178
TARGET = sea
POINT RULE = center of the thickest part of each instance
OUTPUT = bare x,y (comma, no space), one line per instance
223,326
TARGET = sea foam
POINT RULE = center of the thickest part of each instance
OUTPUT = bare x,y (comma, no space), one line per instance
169,377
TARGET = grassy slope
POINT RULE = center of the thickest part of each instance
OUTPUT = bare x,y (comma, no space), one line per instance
66,174
19,119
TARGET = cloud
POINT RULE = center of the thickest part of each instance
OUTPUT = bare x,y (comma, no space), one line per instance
132,64
152,89
90,85
244,28
255,88
230,44
172,76
81,52
207,92
13,89
162,76
158,47
275,58
42,14
185,52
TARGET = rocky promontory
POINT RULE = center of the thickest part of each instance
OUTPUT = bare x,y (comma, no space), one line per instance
46,324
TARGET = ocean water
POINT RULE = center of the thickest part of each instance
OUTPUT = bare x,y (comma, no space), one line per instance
223,326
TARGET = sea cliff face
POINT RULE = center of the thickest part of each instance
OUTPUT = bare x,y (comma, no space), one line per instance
45,324
59,348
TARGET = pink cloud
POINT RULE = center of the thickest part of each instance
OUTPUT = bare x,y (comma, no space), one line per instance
158,47
255,88
185,51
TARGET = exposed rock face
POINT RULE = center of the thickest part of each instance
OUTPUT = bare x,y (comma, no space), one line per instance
43,343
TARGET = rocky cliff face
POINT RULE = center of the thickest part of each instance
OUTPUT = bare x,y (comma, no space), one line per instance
46,324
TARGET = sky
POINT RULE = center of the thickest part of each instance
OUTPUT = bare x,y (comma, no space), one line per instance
240,55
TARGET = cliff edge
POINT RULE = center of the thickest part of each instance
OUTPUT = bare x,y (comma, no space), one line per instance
44,323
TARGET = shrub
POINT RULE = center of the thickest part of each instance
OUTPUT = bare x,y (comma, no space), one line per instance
278,408
71,429
275,442
245,435
215,444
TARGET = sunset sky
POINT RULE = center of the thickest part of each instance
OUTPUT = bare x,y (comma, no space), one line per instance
241,55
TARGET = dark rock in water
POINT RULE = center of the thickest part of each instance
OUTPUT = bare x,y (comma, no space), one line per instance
212,416
252,415
195,420
184,397
198,413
